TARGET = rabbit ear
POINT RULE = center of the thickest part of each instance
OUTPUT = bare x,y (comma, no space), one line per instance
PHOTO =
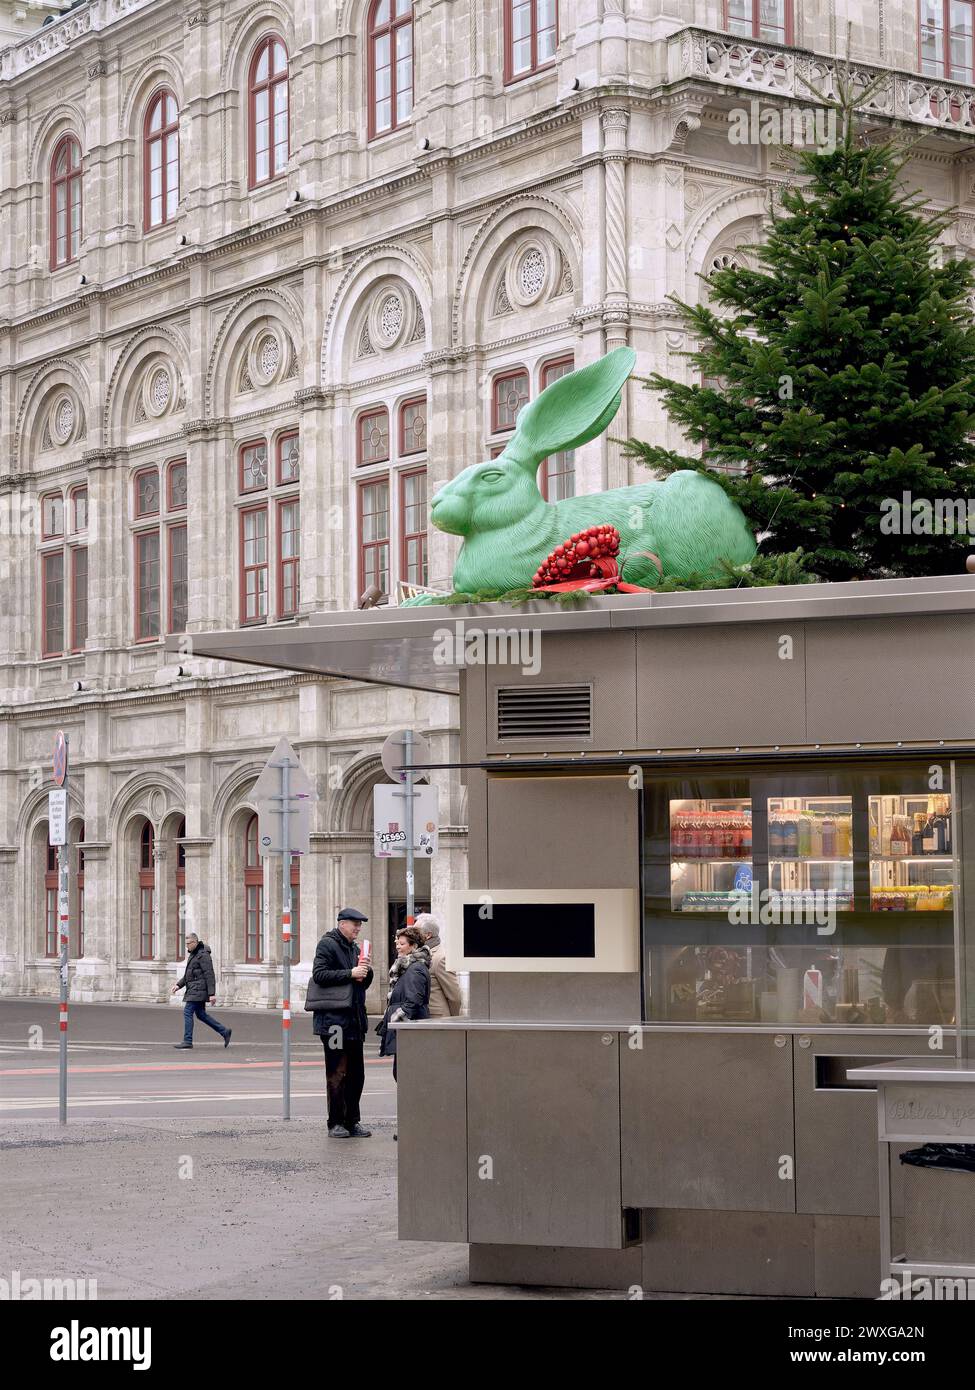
572,410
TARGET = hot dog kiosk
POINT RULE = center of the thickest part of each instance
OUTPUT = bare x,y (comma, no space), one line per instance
720,849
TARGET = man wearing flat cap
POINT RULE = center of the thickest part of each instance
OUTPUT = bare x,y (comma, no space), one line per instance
342,1024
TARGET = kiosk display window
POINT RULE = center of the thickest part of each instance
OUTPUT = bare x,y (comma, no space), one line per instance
787,896
910,853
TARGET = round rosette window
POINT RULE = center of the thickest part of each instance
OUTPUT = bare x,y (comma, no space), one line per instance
531,272
269,357
392,317
64,417
159,389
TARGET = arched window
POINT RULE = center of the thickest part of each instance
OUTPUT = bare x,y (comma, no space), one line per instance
161,160
253,896
180,889
147,893
51,902
65,201
80,882
531,32
390,65
295,907
267,107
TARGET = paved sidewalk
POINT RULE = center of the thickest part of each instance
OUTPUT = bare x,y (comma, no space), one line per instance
272,1210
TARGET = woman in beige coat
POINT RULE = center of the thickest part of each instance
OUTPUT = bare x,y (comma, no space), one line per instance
444,985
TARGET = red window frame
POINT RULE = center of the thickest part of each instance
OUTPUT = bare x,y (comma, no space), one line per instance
78,640
945,66
147,890
367,546
295,907
405,452
80,846
51,901
70,181
141,614
253,879
245,569
171,467
269,85
282,440
509,53
180,884
74,497
137,510
241,451
171,623
545,475
374,413
391,29
47,535
160,137
407,536
510,375
756,21
289,567
46,559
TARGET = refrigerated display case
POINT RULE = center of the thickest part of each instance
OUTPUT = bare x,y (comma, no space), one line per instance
910,853
769,897
711,853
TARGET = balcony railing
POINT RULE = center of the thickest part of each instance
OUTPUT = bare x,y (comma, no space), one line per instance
800,75
57,37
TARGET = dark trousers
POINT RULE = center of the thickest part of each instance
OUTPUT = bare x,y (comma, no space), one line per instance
345,1076
196,1009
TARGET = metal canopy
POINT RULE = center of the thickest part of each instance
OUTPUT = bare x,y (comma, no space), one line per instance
348,646
408,647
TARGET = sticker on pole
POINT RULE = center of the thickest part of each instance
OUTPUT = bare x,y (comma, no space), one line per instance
60,759
393,755
57,817
281,769
389,821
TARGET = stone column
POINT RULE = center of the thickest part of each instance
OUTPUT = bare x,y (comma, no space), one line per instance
616,308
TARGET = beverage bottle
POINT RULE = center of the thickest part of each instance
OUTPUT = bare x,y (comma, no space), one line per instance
917,838
774,837
815,834
746,844
790,838
805,836
929,836
900,840
829,837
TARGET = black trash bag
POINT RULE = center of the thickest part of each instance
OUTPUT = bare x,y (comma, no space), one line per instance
956,1158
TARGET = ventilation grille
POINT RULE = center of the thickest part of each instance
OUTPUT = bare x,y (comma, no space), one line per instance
549,711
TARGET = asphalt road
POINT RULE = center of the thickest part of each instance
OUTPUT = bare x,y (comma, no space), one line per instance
121,1065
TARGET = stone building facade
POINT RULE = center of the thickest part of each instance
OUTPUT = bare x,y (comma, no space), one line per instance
272,272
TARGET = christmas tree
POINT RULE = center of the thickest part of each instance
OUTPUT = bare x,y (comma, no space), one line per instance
843,373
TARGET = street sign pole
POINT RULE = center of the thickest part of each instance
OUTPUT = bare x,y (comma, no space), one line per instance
61,778
286,940
63,1018
409,794
283,795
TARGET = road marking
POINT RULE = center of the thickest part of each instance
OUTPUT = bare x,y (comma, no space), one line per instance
45,1103
170,1066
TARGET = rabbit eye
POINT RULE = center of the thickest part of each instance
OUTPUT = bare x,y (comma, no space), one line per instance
492,474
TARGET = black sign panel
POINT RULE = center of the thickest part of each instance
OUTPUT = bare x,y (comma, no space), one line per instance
564,930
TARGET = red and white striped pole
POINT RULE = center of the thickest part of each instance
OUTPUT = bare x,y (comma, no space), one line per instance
286,939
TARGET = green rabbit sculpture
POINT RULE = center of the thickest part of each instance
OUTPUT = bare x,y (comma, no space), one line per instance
686,521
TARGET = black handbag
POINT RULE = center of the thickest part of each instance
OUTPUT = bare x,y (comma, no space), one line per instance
327,998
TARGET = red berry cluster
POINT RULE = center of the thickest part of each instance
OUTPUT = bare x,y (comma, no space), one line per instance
574,559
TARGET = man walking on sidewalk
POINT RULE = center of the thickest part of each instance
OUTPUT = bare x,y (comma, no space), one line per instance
201,988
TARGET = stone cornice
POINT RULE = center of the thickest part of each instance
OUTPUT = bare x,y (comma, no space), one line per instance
193,687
